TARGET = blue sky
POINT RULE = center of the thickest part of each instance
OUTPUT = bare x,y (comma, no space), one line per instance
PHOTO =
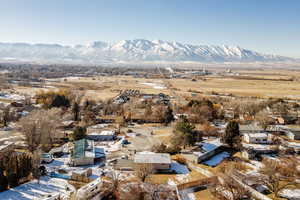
269,26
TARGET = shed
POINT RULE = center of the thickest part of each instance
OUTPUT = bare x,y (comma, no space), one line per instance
159,161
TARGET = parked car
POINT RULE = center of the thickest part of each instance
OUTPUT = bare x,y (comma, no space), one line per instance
46,158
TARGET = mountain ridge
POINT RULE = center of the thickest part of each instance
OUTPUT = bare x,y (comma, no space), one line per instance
137,50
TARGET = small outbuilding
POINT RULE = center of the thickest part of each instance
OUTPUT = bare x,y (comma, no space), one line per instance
159,161
293,134
257,138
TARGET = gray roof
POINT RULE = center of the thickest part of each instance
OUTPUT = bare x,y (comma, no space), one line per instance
250,127
152,158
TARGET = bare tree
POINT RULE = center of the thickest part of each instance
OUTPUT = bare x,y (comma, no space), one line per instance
228,187
209,130
40,128
263,119
120,120
278,175
76,99
143,170
6,116
36,161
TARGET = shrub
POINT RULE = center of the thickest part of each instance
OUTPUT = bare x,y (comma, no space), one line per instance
180,159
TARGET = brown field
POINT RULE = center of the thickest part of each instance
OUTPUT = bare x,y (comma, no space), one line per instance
265,84
178,179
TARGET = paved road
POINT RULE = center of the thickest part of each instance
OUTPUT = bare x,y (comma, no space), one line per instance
144,141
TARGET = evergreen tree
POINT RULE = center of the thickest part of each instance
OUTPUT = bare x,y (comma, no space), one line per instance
231,137
13,180
184,133
169,117
79,133
3,181
60,101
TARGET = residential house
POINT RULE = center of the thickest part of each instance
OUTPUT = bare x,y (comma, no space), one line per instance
203,151
83,153
159,161
257,152
107,135
251,128
257,138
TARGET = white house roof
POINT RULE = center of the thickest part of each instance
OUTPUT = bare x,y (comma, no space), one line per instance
258,135
250,127
152,158
107,133
103,133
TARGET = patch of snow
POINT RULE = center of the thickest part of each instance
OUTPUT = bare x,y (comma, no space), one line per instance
171,182
191,196
33,190
290,194
154,85
182,178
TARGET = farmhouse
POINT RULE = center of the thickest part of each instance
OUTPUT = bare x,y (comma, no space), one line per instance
159,161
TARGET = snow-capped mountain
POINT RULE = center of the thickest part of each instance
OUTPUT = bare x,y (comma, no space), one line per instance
138,50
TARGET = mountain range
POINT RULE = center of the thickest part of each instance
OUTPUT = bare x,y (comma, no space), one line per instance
138,50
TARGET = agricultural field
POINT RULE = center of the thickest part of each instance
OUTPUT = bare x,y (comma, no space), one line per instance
261,84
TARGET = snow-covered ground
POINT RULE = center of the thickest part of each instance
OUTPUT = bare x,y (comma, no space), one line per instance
33,190
258,146
291,194
61,163
180,178
14,97
191,196
155,85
